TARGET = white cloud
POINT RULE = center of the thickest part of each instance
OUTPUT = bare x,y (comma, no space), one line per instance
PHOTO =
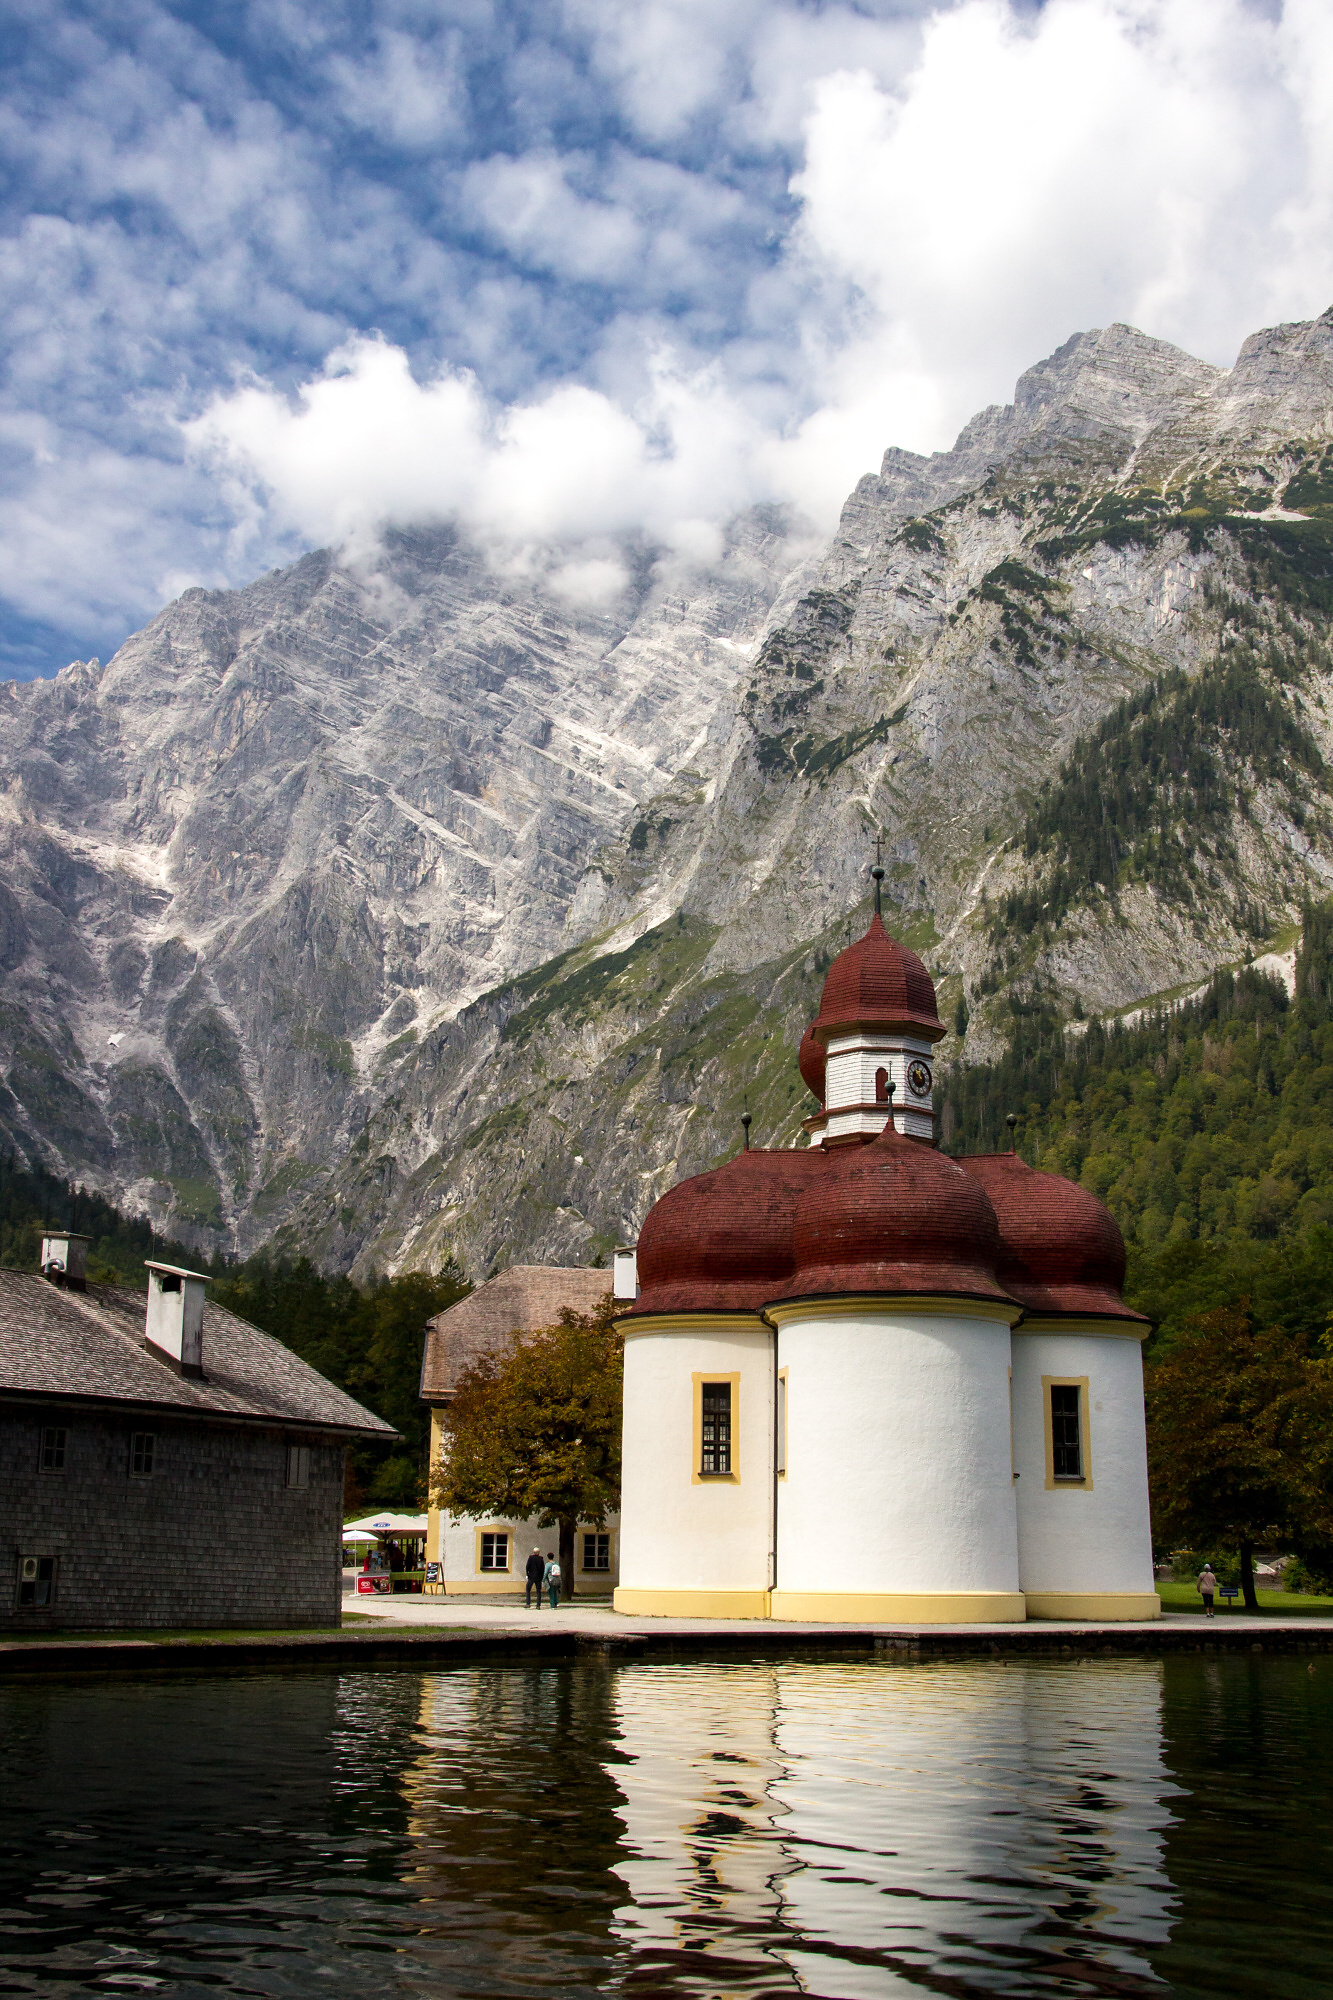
409,93
1108,160
636,262
365,444
528,205
1027,175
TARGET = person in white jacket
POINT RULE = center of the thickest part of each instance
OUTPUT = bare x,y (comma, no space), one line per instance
1207,1588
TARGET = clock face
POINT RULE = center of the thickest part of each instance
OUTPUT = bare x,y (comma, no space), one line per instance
918,1079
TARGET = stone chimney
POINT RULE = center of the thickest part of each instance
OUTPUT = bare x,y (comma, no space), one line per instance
625,1275
175,1324
65,1258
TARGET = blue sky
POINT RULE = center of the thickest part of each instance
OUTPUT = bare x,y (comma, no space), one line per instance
592,271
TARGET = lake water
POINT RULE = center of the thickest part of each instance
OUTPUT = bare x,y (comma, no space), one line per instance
849,1829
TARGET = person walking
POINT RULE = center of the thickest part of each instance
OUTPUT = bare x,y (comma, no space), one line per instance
1207,1588
551,1579
535,1573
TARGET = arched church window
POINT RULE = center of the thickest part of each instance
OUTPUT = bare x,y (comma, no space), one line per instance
881,1086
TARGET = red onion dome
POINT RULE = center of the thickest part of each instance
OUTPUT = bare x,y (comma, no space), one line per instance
812,1059
896,1217
722,1242
877,983
1061,1251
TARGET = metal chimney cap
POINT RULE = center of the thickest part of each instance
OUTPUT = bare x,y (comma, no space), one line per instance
177,1271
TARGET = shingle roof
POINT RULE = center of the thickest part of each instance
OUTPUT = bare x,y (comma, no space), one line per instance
55,1342
521,1299
877,983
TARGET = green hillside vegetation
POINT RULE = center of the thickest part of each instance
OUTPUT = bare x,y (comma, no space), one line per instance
1150,795
366,1338
1207,1129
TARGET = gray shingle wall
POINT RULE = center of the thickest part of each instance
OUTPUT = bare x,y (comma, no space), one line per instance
215,1537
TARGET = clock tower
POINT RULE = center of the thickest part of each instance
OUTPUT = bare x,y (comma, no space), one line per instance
875,1032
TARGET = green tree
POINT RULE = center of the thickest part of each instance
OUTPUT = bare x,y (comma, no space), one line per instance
1240,1424
367,1340
394,1319
535,1430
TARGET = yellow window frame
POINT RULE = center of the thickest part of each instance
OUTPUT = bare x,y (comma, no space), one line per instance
715,1377
1083,1484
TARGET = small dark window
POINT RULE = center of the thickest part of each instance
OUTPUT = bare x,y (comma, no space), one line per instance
1066,1431
37,1582
881,1086
53,1449
495,1552
143,1450
596,1552
298,1465
170,1284
715,1456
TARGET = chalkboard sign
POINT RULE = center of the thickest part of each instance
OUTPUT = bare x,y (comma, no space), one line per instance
432,1572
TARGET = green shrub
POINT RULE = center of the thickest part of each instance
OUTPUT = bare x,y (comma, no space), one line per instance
1312,1578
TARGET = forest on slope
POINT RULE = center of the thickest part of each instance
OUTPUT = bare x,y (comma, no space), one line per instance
1206,1127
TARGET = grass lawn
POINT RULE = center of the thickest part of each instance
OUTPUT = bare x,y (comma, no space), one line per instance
1278,1603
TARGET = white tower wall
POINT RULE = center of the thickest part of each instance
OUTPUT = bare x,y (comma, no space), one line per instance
852,1061
1085,1548
897,1500
694,1546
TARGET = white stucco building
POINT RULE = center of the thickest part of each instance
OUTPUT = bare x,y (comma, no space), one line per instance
864,1381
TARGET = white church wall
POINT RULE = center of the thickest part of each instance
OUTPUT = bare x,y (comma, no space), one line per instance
695,1546
1085,1547
898,1495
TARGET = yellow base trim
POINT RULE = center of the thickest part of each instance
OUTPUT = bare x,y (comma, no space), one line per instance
691,1603
483,1586
900,1607
1094,1604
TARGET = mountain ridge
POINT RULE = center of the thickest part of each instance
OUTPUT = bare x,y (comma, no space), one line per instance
428,913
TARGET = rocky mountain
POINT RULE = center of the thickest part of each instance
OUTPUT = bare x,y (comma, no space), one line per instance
398,910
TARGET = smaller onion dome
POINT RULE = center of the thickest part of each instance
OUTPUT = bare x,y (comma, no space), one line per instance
893,1217
877,983
722,1241
812,1060
1061,1250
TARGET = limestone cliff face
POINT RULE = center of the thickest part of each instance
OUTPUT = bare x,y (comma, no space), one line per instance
412,911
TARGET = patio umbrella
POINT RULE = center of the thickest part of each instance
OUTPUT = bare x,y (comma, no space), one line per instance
391,1524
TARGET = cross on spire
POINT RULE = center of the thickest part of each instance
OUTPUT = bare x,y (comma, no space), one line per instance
877,873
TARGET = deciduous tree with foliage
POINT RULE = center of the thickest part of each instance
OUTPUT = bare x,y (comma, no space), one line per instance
1240,1439
535,1430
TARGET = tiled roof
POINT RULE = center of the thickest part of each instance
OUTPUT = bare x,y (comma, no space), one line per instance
877,983
1061,1250
55,1342
521,1299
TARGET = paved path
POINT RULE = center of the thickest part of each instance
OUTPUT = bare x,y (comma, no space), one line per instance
596,1617
421,1633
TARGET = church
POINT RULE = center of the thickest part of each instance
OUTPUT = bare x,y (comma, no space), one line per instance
865,1382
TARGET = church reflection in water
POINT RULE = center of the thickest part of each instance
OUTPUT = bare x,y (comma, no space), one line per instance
837,1828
